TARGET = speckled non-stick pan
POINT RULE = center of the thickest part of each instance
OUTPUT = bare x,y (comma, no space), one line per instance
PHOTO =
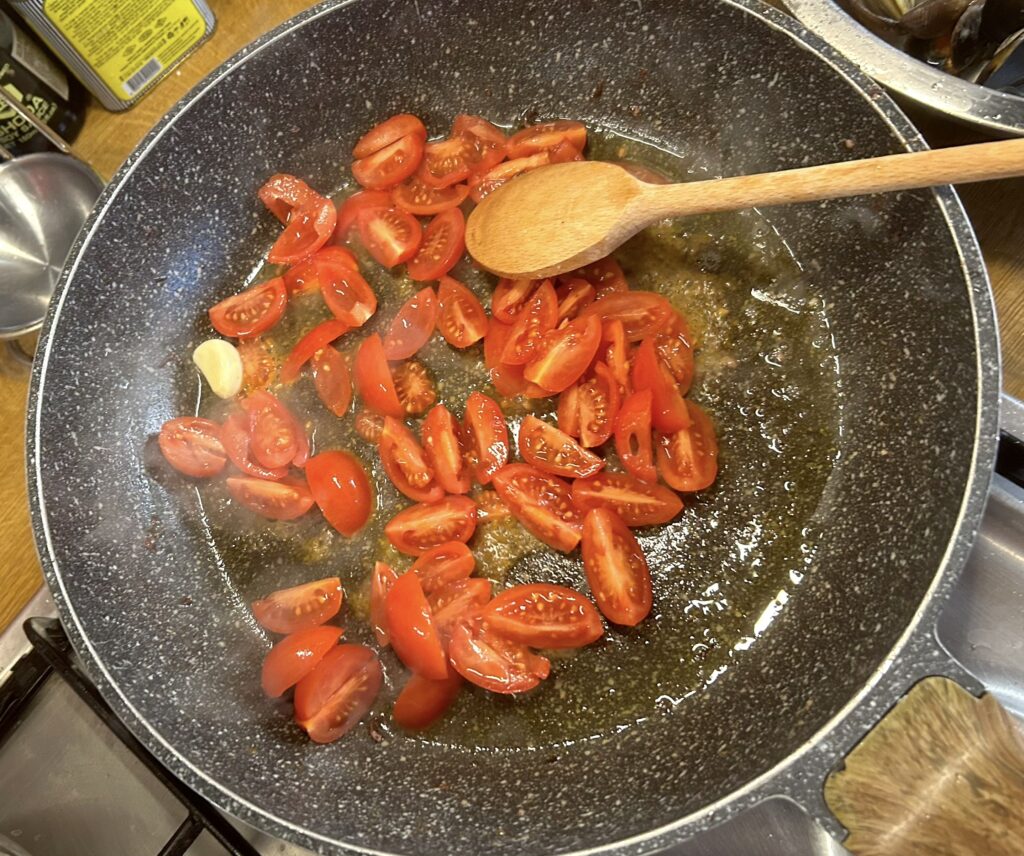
849,360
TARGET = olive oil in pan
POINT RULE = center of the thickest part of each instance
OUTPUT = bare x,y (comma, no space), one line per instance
766,372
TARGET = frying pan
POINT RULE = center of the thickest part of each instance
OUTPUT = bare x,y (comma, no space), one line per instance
154,597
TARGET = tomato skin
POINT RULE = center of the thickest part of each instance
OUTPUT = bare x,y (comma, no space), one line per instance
543,615
354,206
193,446
373,379
642,313
305,275
462,597
565,152
341,489
390,235
444,162
599,405
616,568
299,607
412,326
422,701
688,459
414,386
273,430
316,339
605,275
511,297
332,380
668,408
542,503
444,241
546,136
235,434
309,228
424,526
419,198
553,451
405,463
491,661
346,293
390,165
381,581
675,348
633,436
617,356
339,692
282,193
413,635
295,656
487,436
443,565
637,503
508,380
275,500
443,450
490,506
574,296
533,323
568,413
485,143
369,425
385,133
461,319
252,311
485,183
564,355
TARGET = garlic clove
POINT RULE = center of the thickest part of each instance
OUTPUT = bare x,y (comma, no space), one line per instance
221,365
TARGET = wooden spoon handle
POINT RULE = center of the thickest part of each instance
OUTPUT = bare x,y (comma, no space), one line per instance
957,165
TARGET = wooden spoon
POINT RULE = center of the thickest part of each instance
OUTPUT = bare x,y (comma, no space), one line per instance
560,217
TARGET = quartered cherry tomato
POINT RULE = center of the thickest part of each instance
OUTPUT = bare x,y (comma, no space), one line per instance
442,565
461,319
414,387
404,462
309,228
305,276
444,241
569,411
605,275
542,503
251,312
425,525
354,206
546,136
235,435
295,656
258,364
300,607
490,506
484,183
332,380
637,503
553,451
373,379
193,446
688,459
508,380
675,348
341,489
338,692
485,143
444,162
411,628
616,355
412,327
423,701
459,598
598,406
511,297
486,436
390,235
316,339
369,425
642,313
443,448
346,293
543,615
387,132
275,500
419,198
574,295
668,407
633,436
390,165
564,354
274,431
283,193
489,660
532,325
382,579
616,568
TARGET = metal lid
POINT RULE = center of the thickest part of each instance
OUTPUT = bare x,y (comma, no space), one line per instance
44,200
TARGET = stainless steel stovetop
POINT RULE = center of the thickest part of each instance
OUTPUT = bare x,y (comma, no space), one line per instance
69,787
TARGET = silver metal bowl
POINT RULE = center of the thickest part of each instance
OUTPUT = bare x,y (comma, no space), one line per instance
976,105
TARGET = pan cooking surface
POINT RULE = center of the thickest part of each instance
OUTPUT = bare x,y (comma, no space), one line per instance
766,371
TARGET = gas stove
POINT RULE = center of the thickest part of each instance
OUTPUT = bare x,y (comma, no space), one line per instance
75,782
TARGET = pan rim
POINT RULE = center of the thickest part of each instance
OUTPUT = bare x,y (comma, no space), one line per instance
751,792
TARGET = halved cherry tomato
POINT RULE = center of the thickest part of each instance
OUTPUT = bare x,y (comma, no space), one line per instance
295,656
642,313
486,436
338,692
369,425
390,235
637,503
305,275
341,489
564,354
444,240
300,607
442,565
688,459
491,661
273,430
542,503
633,436
675,348
346,293
450,603
381,581
258,364
668,407
616,568
554,451
385,133
445,162
412,326
565,152
425,525
332,380
193,446
490,506
423,701
545,136
485,183
235,434
282,193
390,165
568,412
414,387
252,311
316,339
599,405
543,615
405,463
511,297
574,295
461,319
308,229
276,500
533,323
412,631
443,449
365,201
605,275
508,380
419,198
616,354
373,379
485,143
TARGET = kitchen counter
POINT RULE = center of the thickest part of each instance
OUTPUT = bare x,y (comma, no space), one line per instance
995,208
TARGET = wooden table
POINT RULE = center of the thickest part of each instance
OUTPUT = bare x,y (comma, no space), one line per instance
997,210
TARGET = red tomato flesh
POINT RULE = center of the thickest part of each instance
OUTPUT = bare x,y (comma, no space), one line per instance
637,503
491,661
486,435
419,198
546,136
442,565
309,228
543,615
598,406
300,607
193,446
406,465
511,297
688,459
423,526
668,407
444,241
251,312
445,162
354,206
282,193
374,382
390,165
423,701
275,500
295,656
533,323
258,365
317,338
387,132
332,380
564,354
485,183
390,235
273,430
616,568
444,452
346,293
542,503
461,319
553,451
412,631
485,143
412,326
459,598
633,436
338,692
235,435
642,313
573,296
341,489
381,581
